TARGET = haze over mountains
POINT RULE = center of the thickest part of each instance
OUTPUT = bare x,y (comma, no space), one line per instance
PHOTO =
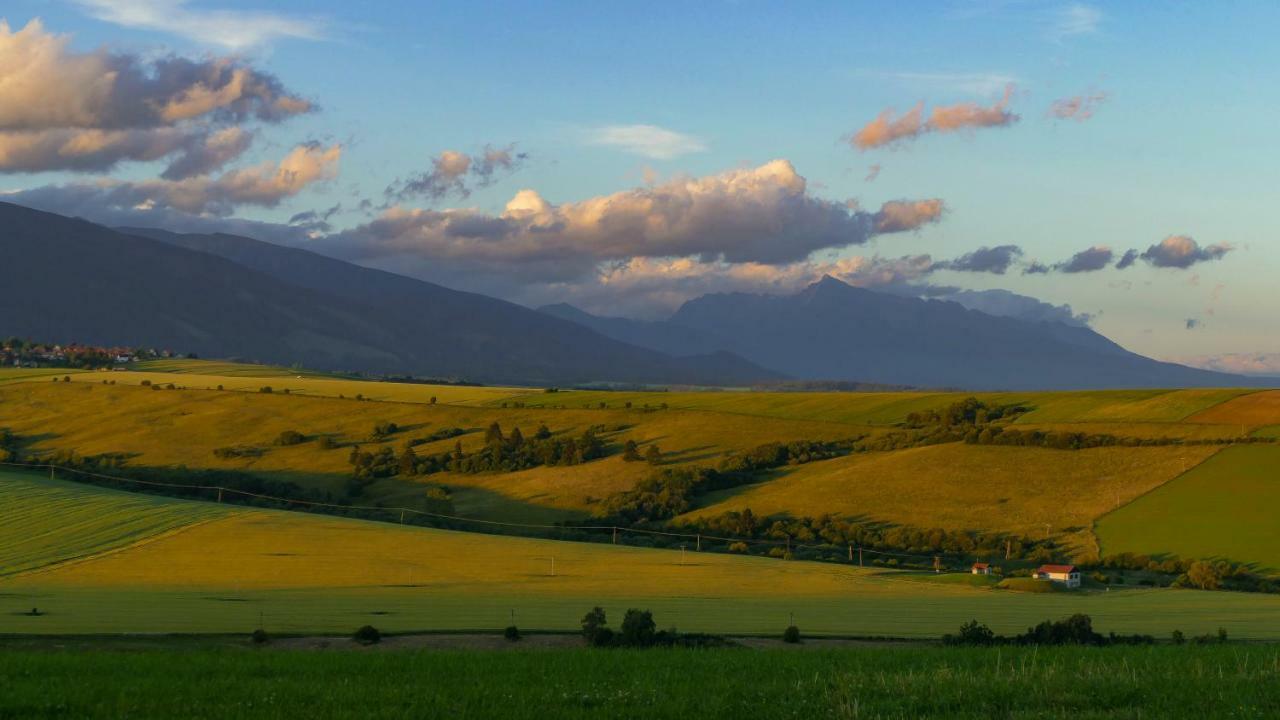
228,296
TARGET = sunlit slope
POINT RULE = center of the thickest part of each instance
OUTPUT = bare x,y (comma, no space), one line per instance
1225,508
1030,491
44,522
293,572
184,427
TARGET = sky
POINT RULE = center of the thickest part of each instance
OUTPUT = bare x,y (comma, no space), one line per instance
1114,161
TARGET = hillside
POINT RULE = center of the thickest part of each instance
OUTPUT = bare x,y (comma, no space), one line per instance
834,331
69,280
1037,492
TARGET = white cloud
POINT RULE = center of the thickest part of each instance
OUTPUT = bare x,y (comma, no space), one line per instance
234,29
648,141
980,83
1076,19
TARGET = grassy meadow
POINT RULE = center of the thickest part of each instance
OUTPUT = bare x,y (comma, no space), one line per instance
225,680
1223,508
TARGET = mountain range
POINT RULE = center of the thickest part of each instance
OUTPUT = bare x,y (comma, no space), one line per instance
219,295
835,331
68,280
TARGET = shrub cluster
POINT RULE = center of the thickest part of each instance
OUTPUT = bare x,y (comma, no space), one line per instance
639,631
1075,630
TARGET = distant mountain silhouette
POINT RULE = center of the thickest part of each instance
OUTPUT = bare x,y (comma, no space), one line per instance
834,331
64,280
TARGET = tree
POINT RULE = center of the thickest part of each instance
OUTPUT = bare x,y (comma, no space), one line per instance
638,628
1205,575
516,440
493,436
593,623
354,457
543,433
791,634
630,452
408,462
653,455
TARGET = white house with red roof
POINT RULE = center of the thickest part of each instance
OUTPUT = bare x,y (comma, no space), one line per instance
980,568
1066,574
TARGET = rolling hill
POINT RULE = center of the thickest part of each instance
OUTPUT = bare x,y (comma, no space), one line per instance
833,331
69,280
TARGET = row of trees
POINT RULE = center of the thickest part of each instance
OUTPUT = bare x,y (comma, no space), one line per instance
500,453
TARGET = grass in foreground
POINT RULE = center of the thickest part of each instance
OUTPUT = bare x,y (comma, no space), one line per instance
1165,682
1224,507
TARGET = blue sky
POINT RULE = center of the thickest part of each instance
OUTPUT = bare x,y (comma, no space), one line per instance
1178,143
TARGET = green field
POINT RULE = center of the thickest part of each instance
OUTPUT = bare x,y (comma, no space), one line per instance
51,522
1223,508
867,682
300,573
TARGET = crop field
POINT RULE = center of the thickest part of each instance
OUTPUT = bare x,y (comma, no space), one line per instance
1258,408
312,385
231,680
1032,491
225,368
295,572
1224,508
47,522
18,375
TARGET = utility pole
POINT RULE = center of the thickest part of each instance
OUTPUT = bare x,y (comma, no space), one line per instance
402,517
682,554
615,535
699,542
219,494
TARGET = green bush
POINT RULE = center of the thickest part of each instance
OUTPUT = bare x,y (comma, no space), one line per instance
367,635
791,634
259,637
290,437
512,633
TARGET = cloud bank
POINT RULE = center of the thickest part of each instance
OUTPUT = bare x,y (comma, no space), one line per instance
233,29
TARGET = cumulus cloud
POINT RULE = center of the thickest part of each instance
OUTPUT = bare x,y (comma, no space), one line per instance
234,29
456,173
1035,267
888,130
764,214
648,141
263,185
88,112
1077,107
1181,251
1088,260
655,287
209,153
985,259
